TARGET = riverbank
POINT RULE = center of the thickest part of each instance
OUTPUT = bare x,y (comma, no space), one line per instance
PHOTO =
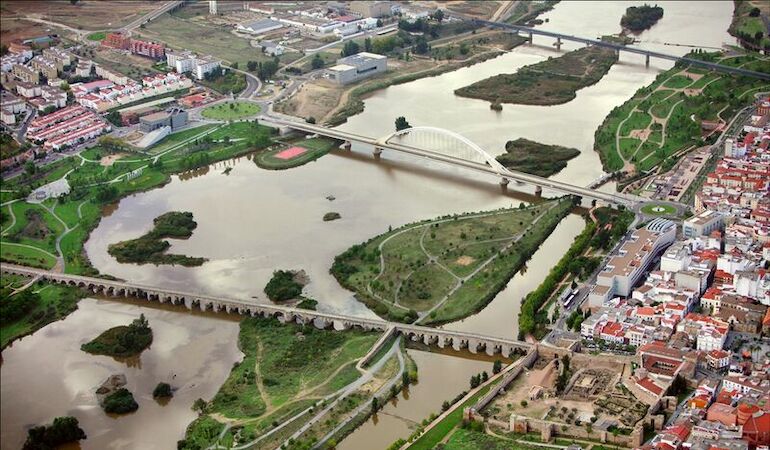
748,24
535,158
94,188
33,308
551,82
286,371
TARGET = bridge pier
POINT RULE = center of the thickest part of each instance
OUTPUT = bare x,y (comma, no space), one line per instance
647,60
504,183
539,191
558,43
347,145
377,152
530,38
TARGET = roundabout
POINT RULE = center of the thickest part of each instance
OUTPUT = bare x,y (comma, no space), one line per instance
659,209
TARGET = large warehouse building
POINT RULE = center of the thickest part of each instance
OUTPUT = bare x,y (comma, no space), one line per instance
357,67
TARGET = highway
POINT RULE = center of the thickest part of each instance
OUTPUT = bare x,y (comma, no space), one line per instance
168,6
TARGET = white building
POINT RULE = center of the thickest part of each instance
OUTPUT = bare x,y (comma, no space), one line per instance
357,67
204,66
702,224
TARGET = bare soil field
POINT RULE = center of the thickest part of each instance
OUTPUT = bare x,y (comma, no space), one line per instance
15,28
86,14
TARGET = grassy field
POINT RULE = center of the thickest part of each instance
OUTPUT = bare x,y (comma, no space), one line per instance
316,148
231,111
451,265
51,303
180,33
465,439
31,240
536,158
285,369
747,26
97,36
549,82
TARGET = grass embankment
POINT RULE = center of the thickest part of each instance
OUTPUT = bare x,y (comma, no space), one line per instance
122,341
467,439
639,18
524,12
535,158
315,148
452,265
549,82
29,310
612,225
231,111
151,248
748,25
662,119
285,369
95,186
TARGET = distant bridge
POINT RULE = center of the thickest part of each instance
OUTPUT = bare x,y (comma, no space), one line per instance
474,343
460,152
619,47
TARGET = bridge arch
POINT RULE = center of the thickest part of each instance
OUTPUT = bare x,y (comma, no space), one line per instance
456,137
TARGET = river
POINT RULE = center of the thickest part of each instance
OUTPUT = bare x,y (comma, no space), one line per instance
253,221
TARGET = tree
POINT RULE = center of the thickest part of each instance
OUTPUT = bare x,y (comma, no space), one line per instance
251,65
30,168
422,46
438,16
484,376
401,123
199,406
310,120
350,48
368,44
114,118
497,366
317,62
405,379
379,23
234,65
375,404
162,390
64,86
754,12
63,430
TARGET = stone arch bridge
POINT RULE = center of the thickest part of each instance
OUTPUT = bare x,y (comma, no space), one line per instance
472,342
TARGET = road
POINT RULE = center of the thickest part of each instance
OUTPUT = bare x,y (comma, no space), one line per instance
168,6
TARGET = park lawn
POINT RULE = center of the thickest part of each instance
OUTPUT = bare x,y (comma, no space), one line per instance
637,121
289,361
465,439
174,139
316,148
55,302
26,256
662,109
678,82
425,287
665,209
231,111
628,146
41,233
97,36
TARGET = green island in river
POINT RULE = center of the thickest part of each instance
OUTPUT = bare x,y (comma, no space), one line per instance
550,82
123,340
535,158
151,247
447,268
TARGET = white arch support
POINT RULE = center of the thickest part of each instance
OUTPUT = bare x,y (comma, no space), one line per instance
493,163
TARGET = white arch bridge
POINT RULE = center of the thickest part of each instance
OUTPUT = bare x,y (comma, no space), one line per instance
458,340
448,147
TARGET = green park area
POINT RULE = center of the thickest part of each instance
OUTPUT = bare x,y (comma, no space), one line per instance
36,306
446,268
535,158
658,209
231,111
286,369
151,247
31,231
551,82
283,157
663,120
97,36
